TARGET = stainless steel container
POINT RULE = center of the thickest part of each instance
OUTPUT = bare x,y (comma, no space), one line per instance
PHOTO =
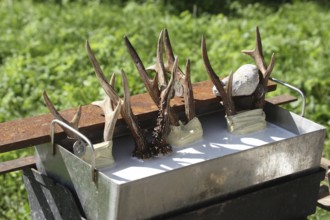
220,163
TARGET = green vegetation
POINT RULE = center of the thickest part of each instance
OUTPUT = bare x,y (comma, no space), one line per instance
42,47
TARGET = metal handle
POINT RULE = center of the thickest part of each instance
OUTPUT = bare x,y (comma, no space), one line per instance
302,114
80,135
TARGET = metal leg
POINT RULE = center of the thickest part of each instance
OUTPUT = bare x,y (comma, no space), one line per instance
48,199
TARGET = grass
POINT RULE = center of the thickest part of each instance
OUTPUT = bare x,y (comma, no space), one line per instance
42,47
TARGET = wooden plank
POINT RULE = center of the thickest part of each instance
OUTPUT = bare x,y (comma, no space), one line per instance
324,198
17,164
31,131
281,99
325,163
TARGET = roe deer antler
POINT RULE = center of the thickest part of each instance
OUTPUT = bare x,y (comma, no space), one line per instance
141,145
258,57
73,123
225,95
184,80
152,85
160,133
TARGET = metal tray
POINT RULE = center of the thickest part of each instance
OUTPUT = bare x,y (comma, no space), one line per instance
221,163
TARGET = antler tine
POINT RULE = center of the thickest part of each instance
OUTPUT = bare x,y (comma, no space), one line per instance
170,55
112,84
111,116
172,79
142,150
112,80
169,52
160,69
153,92
188,94
269,70
107,101
76,118
75,121
52,109
230,91
168,94
111,113
257,55
229,107
99,74
127,95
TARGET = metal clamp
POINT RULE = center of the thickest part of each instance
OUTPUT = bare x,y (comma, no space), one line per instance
302,114
80,135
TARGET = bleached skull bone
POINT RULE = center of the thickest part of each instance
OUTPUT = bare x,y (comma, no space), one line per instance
245,81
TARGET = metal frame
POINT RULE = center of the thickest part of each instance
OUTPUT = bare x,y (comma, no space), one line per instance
302,114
